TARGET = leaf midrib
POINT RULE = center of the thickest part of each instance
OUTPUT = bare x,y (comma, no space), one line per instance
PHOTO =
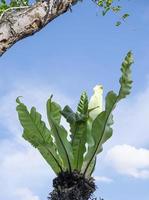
38,130
101,136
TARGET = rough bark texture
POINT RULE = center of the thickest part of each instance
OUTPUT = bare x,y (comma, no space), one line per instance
72,186
18,23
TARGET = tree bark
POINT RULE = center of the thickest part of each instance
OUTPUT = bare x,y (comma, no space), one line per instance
18,23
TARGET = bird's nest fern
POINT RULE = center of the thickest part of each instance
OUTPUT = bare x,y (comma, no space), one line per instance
73,160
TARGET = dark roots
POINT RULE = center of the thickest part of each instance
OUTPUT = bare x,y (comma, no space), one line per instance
72,186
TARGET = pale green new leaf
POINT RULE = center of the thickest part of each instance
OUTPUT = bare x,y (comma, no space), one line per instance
101,128
36,132
95,103
95,108
60,135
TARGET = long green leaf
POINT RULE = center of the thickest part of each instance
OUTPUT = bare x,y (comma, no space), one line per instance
80,133
78,125
101,132
78,144
125,80
60,135
55,109
101,129
36,132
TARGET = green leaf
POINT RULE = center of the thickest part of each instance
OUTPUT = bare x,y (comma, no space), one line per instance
101,132
60,135
36,132
104,12
125,80
68,113
25,2
78,134
91,168
71,118
4,5
116,9
125,16
118,23
78,144
100,3
89,138
3,2
83,104
101,128
78,124
55,109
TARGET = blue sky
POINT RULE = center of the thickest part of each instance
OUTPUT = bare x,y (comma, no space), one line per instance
74,53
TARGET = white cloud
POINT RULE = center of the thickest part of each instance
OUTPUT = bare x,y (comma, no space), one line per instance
129,160
25,194
21,167
103,179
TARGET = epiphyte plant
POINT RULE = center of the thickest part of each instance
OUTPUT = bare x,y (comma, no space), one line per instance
73,160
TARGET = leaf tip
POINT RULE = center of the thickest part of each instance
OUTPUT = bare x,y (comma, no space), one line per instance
51,96
130,56
18,99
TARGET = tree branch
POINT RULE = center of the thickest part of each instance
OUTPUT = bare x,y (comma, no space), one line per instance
18,23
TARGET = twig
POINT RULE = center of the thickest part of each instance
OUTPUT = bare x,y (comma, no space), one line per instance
12,8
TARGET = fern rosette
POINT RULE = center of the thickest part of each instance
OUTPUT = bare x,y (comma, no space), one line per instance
90,128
